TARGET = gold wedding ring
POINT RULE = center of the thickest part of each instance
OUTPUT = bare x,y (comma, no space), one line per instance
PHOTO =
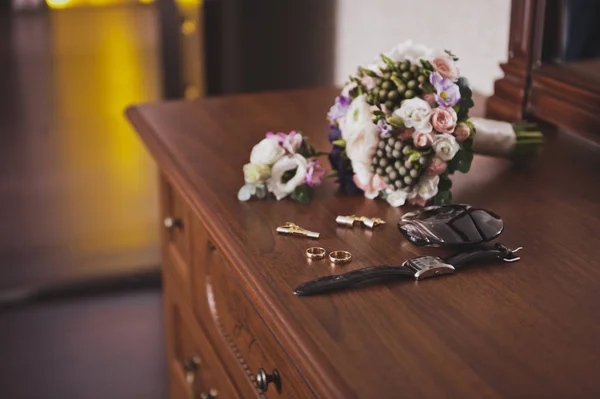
315,253
340,257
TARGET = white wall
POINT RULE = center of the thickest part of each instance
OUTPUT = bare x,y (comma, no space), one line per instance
475,30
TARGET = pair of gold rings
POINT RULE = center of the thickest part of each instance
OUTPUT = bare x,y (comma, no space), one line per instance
336,257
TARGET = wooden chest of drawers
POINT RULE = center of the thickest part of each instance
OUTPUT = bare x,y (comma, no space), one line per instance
235,329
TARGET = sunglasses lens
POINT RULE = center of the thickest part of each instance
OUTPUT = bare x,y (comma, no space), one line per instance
450,225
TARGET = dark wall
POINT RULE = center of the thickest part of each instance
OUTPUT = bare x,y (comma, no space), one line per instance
256,45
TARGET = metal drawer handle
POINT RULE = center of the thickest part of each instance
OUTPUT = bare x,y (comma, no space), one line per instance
212,394
190,367
263,380
172,223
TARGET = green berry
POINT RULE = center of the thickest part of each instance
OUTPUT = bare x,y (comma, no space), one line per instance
404,66
413,68
406,75
393,175
414,173
398,165
393,95
421,79
398,145
386,84
387,179
389,168
408,164
389,104
379,153
383,162
387,75
408,180
399,183
382,93
379,171
402,170
409,94
381,144
411,84
423,160
401,88
396,154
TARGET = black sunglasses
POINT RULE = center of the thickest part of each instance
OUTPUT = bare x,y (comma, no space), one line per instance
450,225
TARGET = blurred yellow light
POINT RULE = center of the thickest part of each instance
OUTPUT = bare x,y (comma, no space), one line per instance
58,3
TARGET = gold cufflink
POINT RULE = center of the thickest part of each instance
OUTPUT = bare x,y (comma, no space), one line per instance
348,221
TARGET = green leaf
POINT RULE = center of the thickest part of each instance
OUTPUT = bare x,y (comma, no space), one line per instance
302,194
339,143
442,198
414,156
445,183
368,72
396,122
396,81
391,64
465,163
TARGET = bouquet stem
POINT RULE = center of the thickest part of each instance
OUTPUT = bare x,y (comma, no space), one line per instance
518,141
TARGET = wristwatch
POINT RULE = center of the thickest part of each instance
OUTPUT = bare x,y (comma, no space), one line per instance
418,268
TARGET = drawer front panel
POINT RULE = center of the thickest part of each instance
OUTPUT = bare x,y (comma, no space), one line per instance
243,331
176,233
194,368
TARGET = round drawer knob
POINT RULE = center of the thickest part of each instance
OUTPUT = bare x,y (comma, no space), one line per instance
191,365
172,223
263,380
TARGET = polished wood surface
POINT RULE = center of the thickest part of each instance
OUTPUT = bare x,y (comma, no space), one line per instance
527,329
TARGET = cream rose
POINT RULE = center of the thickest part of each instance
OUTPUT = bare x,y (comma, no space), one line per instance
415,113
396,198
275,183
445,146
462,131
256,174
444,119
359,131
427,188
266,152
445,66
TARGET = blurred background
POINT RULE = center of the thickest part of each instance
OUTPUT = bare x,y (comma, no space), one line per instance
80,296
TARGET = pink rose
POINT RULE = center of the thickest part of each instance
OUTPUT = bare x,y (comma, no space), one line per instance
445,66
436,167
443,119
462,131
422,139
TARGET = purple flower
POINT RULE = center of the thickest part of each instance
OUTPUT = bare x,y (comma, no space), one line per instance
384,128
447,92
338,110
342,166
315,173
334,134
291,141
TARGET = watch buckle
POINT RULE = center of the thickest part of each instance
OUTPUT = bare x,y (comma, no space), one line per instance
428,266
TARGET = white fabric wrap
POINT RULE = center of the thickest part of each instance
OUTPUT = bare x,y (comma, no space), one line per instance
494,138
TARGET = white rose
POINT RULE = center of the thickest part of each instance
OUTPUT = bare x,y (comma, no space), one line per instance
396,198
404,51
363,178
256,174
267,152
415,113
277,186
445,146
359,131
427,187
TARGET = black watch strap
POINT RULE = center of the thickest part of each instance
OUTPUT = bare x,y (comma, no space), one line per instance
418,268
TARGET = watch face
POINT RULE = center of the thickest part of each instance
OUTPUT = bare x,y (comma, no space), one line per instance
450,225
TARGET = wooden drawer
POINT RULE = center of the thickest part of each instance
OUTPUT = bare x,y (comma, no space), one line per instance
176,234
239,333
195,372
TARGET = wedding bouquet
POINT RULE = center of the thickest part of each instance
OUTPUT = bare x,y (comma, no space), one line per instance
401,127
282,164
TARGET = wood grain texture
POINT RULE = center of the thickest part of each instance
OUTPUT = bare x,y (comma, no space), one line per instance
528,329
